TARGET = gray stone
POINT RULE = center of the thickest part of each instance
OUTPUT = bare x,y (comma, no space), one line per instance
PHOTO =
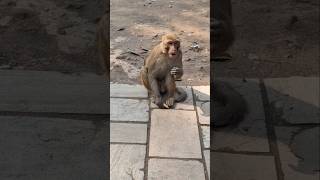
205,132
128,91
295,99
203,109
127,161
52,148
129,110
172,169
299,152
250,134
128,133
185,105
202,93
207,160
236,166
174,133
43,91
5,20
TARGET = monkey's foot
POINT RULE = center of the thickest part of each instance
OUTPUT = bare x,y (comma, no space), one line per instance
169,103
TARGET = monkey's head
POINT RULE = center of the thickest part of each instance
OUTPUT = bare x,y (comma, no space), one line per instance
170,45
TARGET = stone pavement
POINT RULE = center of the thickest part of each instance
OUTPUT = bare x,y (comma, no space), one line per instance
151,143
54,126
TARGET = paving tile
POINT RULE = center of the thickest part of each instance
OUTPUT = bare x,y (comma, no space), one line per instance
250,134
185,105
172,169
203,109
299,152
295,100
52,148
43,91
127,161
205,133
129,110
236,166
128,133
207,160
174,133
202,93
128,91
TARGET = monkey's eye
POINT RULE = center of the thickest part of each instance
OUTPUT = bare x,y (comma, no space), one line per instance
170,43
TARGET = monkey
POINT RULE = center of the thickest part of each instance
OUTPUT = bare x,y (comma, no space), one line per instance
103,43
229,107
161,69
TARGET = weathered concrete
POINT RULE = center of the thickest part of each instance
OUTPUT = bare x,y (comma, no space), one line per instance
172,169
202,93
299,152
235,166
207,160
294,100
128,133
52,148
43,91
128,91
203,109
205,133
127,161
129,110
174,133
250,134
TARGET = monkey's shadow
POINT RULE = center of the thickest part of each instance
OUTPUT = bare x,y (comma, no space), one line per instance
274,115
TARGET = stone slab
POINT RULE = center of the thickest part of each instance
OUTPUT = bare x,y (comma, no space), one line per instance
203,109
299,152
202,93
127,161
295,100
174,133
43,91
52,148
207,161
250,134
128,91
205,133
237,166
185,105
129,110
172,169
128,133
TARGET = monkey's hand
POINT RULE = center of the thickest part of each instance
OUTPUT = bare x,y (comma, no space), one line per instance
176,73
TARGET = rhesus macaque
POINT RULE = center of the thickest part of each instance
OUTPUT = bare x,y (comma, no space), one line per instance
229,107
103,44
161,69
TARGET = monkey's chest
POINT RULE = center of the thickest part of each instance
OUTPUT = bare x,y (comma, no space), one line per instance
162,72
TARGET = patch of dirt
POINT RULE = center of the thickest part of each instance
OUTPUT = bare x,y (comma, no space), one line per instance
52,35
274,39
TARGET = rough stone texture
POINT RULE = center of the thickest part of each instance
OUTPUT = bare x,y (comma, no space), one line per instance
295,100
127,161
128,133
236,166
126,90
171,169
202,93
299,152
185,105
250,134
207,160
129,110
174,133
205,132
203,109
52,148
42,91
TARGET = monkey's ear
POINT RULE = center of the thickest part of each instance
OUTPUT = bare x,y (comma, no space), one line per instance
163,47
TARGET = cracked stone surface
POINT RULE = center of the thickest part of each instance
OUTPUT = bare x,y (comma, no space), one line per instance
129,109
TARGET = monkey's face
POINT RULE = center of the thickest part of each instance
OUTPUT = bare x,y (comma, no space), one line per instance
172,47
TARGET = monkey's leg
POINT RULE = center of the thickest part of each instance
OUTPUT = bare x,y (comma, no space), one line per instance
170,93
155,91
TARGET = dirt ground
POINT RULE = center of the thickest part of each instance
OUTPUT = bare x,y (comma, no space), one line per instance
273,38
